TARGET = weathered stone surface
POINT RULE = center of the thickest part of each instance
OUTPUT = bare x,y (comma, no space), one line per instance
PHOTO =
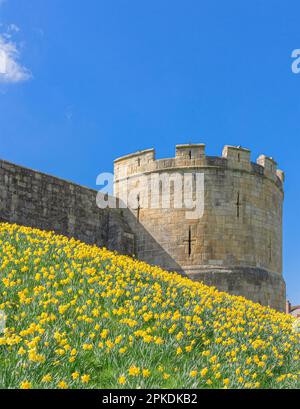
237,244
35,199
253,283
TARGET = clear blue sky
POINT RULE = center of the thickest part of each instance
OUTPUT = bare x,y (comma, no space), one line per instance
93,80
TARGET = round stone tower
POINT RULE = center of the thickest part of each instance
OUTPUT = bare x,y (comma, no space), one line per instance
233,241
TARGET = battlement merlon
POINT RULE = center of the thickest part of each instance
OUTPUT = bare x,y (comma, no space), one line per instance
144,155
190,151
268,163
236,154
237,157
270,167
133,163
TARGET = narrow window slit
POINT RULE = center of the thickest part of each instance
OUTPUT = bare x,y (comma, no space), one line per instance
138,209
270,250
238,204
190,241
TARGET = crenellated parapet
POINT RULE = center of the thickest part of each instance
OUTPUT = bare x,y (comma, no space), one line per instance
193,156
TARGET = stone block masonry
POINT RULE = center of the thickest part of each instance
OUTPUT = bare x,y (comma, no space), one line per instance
237,244
36,199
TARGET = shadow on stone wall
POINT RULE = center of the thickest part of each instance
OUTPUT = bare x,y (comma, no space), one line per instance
35,199
155,254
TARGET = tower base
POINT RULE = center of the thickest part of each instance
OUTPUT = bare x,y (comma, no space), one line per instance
256,284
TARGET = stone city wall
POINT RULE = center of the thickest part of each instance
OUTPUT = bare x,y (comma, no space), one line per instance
36,199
